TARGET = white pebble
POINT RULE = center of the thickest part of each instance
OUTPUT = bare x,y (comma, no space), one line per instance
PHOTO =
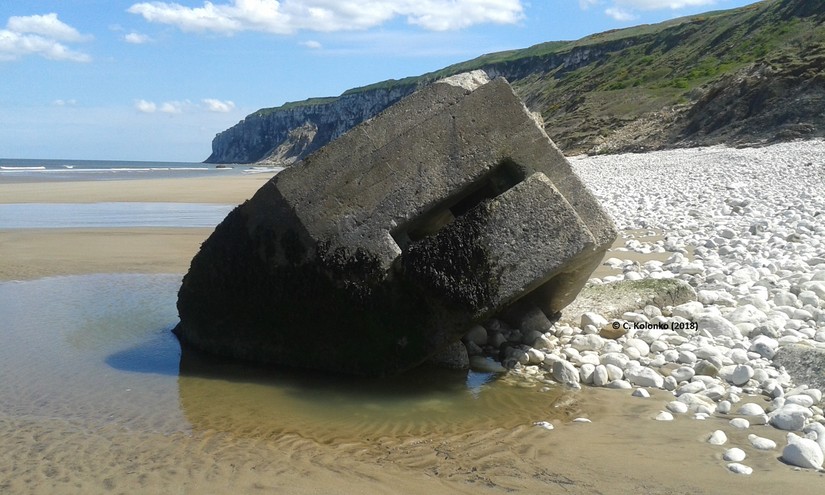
740,423
614,372
741,374
761,443
723,407
750,409
734,455
535,356
620,385
717,326
764,346
677,407
739,356
640,345
737,468
591,342
664,416
594,319
802,452
640,392
544,424
567,374
688,310
816,431
600,377
686,357
683,373
718,437
644,377
815,393
692,388
614,358
790,417
705,409
586,373
803,400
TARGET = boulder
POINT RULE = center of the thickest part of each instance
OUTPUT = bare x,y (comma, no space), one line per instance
805,364
612,300
391,242
452,357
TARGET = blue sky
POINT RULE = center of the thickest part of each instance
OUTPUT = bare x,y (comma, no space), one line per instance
131,80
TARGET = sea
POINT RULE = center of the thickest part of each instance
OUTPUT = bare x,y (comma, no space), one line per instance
12,169
113,214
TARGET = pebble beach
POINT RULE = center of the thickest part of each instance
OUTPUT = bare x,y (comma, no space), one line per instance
745,228
699,397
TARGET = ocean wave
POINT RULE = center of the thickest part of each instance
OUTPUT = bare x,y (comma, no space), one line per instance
262,170
44,170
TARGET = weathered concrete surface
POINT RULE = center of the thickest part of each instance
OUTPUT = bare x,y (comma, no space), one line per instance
616,298
386,245
804,364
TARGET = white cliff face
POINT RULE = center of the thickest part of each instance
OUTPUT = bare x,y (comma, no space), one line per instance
296,144
467,80
272,136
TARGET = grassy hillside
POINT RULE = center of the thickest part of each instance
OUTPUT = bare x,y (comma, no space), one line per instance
665,70
746,75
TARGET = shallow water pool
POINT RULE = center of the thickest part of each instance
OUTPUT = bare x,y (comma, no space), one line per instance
97,350
110,215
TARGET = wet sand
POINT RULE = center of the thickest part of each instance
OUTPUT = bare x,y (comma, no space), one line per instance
622,451
34,253
30,254
229,190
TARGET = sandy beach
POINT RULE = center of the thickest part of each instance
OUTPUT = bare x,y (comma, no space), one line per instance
622,451
33,253
233,189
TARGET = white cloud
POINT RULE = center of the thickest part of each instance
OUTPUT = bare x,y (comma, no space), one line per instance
625,10
410,44
312,44
214,105
662,4
175,107
136,38
42,35
291,16
145,106
64,103
47,26
172,107
619,14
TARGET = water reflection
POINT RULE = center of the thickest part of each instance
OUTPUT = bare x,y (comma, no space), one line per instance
159,354
98,350
224,395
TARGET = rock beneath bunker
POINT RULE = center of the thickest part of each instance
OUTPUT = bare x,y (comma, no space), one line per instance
452,357
387,245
